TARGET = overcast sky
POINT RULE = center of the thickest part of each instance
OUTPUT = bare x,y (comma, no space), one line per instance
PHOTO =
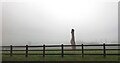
50,21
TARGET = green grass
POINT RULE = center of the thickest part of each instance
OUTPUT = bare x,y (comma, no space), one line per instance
65,58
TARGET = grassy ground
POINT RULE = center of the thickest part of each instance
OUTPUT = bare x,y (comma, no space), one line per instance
59,58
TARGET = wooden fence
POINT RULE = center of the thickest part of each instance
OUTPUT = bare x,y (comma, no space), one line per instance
62,49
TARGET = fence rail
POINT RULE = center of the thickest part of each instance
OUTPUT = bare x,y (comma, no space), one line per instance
62,50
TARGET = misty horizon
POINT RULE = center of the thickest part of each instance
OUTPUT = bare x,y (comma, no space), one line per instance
50,22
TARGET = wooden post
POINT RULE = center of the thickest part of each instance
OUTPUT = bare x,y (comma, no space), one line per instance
82,51
43,50
26,51
10,50
62,51
104,51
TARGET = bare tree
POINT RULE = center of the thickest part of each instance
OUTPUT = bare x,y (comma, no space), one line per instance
72,39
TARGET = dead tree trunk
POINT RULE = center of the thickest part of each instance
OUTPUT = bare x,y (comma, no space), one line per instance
72,39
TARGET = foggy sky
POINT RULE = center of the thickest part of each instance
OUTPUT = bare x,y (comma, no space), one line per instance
51,21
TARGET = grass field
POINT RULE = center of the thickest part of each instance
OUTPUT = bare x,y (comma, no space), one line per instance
59,58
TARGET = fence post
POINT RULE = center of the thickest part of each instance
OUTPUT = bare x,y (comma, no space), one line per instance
62,51
104,51
11,50
26,51
44,50
82,51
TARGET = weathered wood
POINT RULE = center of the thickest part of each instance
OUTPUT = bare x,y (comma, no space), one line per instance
82,51
66,45
104,50
62,51
11,48
43,50
26,51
